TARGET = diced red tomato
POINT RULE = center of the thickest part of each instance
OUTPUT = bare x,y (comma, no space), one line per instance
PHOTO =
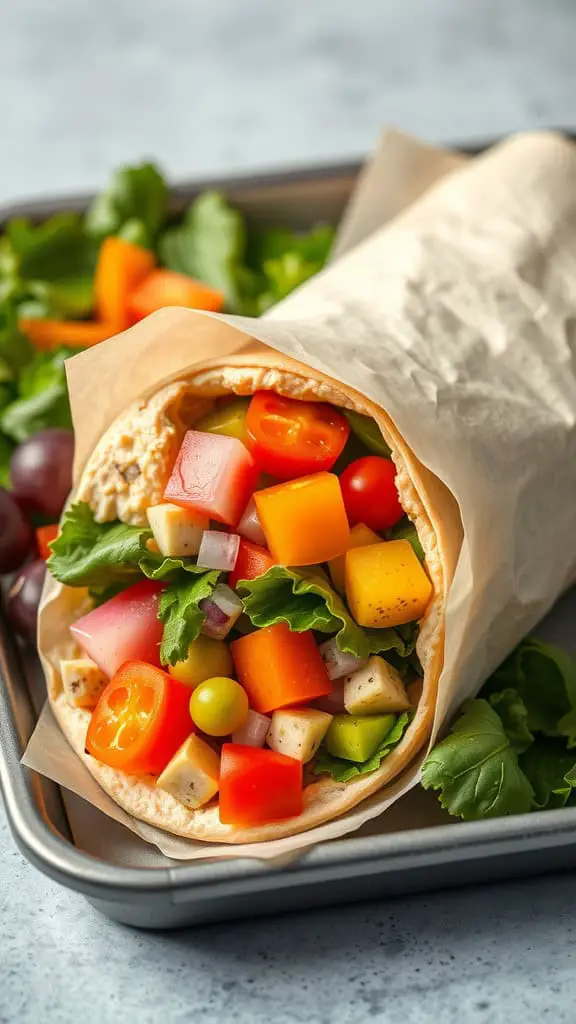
289,438
278,668
252,561
169,288
125,628
214,474
370,495
258,786
44,536
141,720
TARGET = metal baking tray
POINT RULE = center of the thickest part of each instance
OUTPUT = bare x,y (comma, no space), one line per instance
414,847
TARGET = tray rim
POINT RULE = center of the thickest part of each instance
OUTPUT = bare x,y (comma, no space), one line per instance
60,859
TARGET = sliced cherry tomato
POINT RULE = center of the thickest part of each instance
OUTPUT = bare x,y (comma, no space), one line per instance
252,561
258,786
141,720
44,536
369,492
289,439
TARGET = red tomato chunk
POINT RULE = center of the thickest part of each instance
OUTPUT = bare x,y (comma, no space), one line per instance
213,474
258,786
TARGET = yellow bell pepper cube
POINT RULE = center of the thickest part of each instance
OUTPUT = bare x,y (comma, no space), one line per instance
227,418
304,520
386,584
360,535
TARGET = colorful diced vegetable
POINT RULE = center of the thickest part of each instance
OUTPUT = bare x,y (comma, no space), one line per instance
370,494
44,536
375,688
278,668
339,663
252,561
206,658
249,526
298,732
357,738
47,335
125,628
121,267
82,682
192,775
218,550
169,288
304,521
253,732
360,536
177,531
222,610
214,475
258,786
219,706
291,439
227,417
386,585
140,720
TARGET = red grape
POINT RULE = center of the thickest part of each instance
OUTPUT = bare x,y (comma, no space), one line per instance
41,472
24,597
15,534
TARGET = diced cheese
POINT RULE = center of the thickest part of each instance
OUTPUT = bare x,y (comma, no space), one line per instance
375,688
82,682
192,776
298,732
177,531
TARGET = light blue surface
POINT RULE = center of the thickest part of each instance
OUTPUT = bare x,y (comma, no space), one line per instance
213,87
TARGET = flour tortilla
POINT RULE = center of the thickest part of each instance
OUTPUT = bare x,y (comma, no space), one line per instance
148,435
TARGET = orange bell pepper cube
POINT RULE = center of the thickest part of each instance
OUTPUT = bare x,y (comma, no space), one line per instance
252,561
278,668
169,288
50,334
44,535
258,786
304,521
121,267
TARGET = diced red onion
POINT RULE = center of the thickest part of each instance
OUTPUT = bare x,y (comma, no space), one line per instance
337,662
254,731
218,550
333,703
249,525
221,611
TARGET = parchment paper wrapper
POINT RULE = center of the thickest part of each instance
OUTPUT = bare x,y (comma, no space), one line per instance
459,319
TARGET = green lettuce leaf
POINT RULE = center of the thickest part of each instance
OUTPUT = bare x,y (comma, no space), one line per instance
156,567
178,609
343,771
512,712
133,205
475,769
544,676
91,554
42,397
209,244
283,275
15,349
303,599
368,432
55,263
551,770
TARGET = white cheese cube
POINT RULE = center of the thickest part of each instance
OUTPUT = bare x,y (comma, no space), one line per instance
177,531
375,688
192,775
298,732
82,682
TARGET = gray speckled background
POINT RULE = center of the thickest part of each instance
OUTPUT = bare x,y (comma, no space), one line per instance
214,87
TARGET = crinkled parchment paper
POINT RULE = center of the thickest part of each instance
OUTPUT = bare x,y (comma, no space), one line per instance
459,318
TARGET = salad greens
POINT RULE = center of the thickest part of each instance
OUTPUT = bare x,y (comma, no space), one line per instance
342,771
47,271
178,610
303,599
511,750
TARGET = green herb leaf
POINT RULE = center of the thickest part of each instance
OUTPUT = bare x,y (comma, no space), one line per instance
208,245
476,770
343,771
303,599
43,397
368,432
544,676
512,713
91,554
134,193
551,770
178,610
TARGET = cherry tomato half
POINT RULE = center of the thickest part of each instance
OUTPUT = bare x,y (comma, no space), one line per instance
289,439
369,492
141,719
